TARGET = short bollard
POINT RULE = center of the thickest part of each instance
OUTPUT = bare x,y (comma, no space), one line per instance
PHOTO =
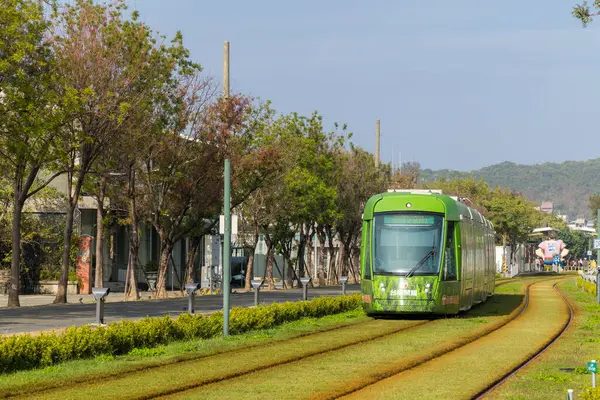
570,394
256,284
343,280
100,295
191,288
305,282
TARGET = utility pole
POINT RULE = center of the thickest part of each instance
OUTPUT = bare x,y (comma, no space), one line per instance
226,208
377,138
226,70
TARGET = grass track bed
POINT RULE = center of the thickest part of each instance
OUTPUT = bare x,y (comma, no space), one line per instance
85,371
470,369
133,371
145,384
335,373
563,366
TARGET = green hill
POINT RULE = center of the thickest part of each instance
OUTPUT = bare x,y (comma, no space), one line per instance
567,185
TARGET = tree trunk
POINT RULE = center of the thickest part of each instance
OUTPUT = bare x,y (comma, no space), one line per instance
301,251
195,243
352,275
331,272
270,257
249,266
290,273
131,289
166,248
341,262
309,256
15,262
61,294
99,275
321,262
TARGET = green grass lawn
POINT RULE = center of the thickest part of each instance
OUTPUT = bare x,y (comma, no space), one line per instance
562,366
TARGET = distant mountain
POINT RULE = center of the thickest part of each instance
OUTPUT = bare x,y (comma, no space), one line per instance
568,185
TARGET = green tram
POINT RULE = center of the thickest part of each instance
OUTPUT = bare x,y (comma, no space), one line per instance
424,252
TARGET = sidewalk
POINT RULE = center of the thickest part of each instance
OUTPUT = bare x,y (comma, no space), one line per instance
31,300
41,315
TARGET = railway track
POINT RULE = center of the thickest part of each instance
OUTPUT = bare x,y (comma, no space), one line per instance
291,350
387,387
178,385
525,363
189,392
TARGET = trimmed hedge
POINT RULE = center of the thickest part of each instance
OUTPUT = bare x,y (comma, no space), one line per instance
21,352
589,287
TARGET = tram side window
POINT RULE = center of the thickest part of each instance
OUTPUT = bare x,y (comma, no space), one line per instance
367,271
449,256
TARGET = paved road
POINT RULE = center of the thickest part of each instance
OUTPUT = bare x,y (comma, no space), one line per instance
38,318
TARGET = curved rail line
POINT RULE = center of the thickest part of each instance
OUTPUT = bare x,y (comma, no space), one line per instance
143,368
501,380
263,367
437,355
175,361
524,364
274,365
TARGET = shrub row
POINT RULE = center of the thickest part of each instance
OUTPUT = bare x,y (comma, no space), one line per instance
26,352
589,287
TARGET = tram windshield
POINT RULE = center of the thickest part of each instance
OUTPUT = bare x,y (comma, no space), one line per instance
407,243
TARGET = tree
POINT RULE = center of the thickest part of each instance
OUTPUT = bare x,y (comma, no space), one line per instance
585,13
131,73
31,116
576,241
594,203
406,177
359,180
513,216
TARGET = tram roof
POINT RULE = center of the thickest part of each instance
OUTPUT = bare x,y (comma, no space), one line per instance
455,207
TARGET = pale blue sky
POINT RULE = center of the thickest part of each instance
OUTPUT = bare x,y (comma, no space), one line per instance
457,84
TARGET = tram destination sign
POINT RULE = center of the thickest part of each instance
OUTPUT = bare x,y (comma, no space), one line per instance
407,219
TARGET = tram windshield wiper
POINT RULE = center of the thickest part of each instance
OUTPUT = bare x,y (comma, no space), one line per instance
420,263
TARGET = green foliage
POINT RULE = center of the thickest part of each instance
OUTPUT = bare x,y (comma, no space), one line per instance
584,13
594,204
568,185
26,352
588,287
590,394
576,241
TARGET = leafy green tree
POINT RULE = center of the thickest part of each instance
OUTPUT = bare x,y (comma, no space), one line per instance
513,216
358,181
31,115
132,74
576,241
586,13
310,190
594,203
